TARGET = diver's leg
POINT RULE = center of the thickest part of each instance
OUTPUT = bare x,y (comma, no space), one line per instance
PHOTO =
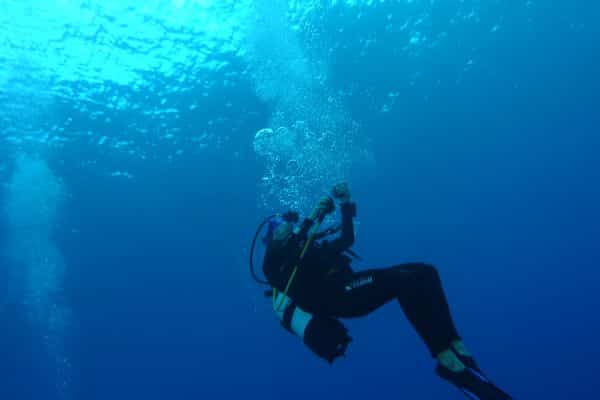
418,289
358,294
424,302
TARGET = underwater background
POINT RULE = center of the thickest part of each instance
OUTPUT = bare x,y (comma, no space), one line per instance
141,143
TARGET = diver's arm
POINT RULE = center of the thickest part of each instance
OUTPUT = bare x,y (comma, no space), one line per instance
305,227
348,208
346,238
324,206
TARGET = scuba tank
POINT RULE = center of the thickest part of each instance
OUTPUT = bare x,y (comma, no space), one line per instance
326,337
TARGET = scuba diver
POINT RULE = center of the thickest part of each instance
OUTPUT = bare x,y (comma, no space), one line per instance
313,286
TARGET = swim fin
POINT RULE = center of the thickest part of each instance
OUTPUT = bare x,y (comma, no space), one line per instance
473,384
470,362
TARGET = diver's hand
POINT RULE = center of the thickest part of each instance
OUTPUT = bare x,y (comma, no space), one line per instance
341,192
324,206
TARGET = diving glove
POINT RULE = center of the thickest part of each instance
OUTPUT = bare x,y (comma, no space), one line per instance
324,207
341,192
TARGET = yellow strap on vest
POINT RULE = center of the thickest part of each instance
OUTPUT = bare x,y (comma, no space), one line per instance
277,307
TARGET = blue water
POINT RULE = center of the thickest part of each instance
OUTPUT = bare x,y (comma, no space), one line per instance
140,146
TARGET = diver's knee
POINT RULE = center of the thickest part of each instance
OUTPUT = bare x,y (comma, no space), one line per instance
429,271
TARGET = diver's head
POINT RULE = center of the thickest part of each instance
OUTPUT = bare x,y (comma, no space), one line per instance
283,231
280,227
274,223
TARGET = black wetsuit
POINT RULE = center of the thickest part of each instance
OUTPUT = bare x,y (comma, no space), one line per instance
326,285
